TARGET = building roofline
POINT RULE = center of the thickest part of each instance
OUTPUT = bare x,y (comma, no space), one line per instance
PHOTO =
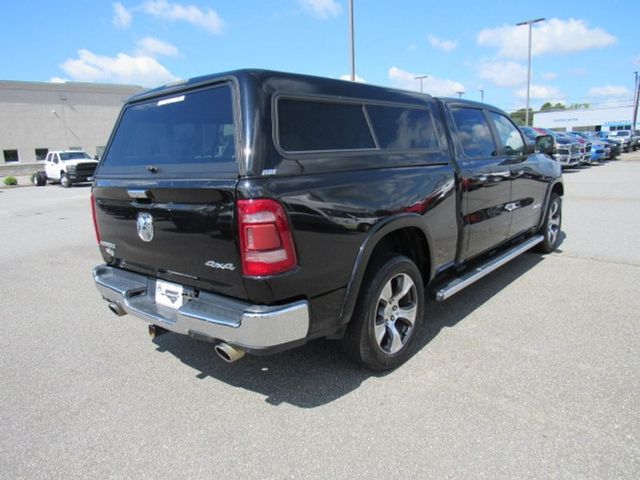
70,87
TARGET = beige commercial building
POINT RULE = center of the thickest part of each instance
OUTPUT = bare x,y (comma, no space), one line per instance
36,117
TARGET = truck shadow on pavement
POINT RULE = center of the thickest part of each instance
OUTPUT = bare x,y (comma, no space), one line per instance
319,372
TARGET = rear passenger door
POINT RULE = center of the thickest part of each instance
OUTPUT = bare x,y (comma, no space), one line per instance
486,181
51,166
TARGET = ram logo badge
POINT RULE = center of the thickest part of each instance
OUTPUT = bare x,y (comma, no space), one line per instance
220,266
145,226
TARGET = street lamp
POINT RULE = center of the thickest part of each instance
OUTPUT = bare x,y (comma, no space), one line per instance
481,95
636,97
352,42
529,22
421,78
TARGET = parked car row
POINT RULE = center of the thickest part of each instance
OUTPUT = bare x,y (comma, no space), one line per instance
628,139
585,148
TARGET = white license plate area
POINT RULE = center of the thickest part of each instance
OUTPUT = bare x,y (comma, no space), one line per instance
169,294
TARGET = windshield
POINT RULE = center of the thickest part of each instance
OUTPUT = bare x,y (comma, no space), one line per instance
623,133
183,134
74,156
581,135
531,134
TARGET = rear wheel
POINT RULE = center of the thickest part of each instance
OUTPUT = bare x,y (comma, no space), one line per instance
388,314
41,179
552,226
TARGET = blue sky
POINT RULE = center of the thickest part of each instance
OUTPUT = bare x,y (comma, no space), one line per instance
583,52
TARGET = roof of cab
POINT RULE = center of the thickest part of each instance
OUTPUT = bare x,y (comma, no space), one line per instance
292,81
469,103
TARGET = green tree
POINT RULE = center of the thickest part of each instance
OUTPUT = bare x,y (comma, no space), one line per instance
520,115
577,106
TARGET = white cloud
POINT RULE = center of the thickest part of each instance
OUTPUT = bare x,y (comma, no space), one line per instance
58,80
552,36
322,9
123,68
432,85
502,74
208,19
152,47
609,91
442,44
347,76
121,16
549,76
540,92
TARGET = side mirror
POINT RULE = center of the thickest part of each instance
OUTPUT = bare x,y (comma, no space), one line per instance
95,157
545,144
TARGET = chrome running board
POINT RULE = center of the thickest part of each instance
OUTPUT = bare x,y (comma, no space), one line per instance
457,284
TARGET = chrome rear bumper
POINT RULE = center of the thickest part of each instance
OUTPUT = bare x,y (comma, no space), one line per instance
214,317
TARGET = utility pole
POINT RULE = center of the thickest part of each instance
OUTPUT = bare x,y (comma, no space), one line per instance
421,78
530,23
352,42
460,94
481,95
636,96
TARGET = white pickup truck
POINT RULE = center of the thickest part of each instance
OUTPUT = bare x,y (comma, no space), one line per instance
68,167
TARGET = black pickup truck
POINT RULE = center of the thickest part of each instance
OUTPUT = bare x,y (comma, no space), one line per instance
258,210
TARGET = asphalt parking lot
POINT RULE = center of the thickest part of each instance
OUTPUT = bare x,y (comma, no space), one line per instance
534,372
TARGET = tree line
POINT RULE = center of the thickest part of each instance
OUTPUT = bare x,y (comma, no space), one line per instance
519,115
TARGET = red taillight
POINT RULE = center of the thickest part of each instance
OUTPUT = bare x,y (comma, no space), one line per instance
266,244
93,216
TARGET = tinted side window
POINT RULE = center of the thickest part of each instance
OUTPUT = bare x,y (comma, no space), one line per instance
473,132
510,139
402,128
305,125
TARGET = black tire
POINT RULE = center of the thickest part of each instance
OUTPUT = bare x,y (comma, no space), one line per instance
41,179
381,333
64,180
552,226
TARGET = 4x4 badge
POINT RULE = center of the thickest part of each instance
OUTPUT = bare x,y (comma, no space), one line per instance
220,266
145,226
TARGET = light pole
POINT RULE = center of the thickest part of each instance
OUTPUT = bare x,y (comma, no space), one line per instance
529,22
460,93
636,96
481,95
352,42
421,78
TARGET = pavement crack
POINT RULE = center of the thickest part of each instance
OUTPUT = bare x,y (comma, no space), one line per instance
600,260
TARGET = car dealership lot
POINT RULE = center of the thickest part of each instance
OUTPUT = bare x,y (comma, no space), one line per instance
532,372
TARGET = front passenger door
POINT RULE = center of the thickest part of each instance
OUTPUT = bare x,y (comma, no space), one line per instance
486,182
528,186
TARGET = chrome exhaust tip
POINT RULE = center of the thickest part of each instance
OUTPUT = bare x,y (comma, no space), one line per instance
228,353
155,331
117,309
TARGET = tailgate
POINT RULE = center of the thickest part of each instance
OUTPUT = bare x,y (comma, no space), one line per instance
185,235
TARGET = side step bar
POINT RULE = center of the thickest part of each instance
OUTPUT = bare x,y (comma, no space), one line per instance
457,284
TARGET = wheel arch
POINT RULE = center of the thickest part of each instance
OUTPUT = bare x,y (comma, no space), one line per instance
405,235
558,188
